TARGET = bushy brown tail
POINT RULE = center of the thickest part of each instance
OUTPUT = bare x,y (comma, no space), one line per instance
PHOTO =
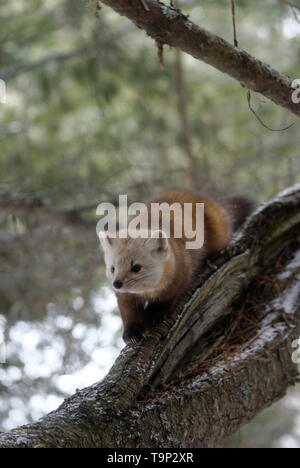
239,208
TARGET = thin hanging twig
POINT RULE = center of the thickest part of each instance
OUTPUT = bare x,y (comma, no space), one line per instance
160,52
248,91
260,120
235,41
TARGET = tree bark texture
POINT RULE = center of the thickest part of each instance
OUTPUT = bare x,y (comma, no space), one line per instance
168,25
223,356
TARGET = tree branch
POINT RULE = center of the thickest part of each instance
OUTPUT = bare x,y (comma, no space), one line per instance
14,71
88,49
31,203
168,25
291,4
180,372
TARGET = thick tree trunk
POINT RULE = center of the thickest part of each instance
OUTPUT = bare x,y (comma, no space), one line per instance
224,355
168,25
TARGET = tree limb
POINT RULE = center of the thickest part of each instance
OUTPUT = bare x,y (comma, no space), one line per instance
291,4
168,25
31,203
14,71
166,392
86,50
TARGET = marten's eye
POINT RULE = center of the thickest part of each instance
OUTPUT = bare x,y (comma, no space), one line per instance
112,269
136,268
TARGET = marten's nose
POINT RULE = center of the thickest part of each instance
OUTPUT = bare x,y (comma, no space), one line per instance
117,284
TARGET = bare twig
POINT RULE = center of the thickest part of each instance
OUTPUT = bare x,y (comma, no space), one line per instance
260,120
235,41
160,52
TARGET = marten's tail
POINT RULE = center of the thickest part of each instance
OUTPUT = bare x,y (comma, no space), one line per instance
239,208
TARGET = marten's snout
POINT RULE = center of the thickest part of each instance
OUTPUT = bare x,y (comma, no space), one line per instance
117,284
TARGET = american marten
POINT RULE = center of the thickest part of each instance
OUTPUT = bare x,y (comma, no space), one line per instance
149,273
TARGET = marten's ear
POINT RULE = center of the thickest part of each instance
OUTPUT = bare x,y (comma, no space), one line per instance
158,243
105,240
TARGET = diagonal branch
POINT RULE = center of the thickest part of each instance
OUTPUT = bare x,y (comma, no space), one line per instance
168,25
291,4
147,392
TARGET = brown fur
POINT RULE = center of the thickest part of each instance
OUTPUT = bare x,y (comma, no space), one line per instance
141,310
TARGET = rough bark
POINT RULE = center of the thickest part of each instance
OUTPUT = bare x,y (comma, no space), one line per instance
188,384
168,25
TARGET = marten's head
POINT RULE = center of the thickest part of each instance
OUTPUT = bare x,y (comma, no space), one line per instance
136,265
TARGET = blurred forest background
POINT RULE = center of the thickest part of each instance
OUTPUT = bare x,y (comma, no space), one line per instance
89,114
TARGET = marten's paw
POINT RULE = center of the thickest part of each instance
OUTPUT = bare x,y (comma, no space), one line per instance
133,334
